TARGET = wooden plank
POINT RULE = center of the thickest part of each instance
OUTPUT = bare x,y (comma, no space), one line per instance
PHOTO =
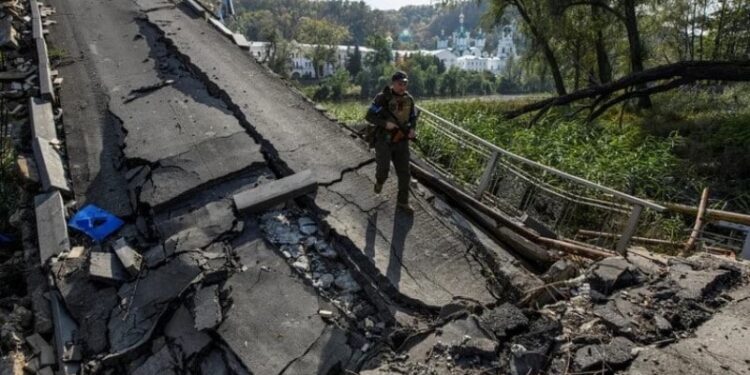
42,119
275,192
51,228
50,165
46,90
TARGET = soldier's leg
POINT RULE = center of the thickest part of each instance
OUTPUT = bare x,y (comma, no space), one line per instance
382,161
401,164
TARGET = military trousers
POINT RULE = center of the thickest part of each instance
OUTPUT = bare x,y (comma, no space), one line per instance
398,153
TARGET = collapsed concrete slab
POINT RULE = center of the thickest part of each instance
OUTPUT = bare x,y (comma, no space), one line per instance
419,258
266,341
146,299
717,347
88,302
207,309
187,115
301,137
193,228
208,161
181,330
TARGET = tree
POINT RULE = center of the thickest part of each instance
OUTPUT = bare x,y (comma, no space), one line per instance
534,13
382,53
323,36
354,63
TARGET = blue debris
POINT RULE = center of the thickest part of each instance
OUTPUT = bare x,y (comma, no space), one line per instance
95,222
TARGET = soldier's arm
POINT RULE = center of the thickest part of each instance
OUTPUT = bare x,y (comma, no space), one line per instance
376,112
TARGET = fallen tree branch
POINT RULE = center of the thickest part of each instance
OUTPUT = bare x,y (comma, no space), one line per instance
683,72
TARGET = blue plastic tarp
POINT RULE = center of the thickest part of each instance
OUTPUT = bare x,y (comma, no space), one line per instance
95,222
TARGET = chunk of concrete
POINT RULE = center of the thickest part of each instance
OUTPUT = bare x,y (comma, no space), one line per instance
613,273
699,284
207,308
8,34
51,228
214,364
452,338
130,259
181,329
195,228
240,41
42,119
147,299
614,355
66,330
276,192
50,165
42,349
265,340
204,163
106,267
160,363
505,320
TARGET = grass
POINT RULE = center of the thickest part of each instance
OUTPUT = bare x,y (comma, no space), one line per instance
693,138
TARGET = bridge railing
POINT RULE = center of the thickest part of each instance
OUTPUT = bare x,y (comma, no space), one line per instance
553,202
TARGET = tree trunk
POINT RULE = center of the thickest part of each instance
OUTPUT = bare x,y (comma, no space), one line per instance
602,59
719,31
546,49
636,54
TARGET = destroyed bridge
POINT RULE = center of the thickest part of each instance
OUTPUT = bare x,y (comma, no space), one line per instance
189,212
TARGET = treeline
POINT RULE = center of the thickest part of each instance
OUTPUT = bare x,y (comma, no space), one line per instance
270,20
428,77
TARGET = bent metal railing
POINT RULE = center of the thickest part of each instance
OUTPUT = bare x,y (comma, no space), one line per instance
553,202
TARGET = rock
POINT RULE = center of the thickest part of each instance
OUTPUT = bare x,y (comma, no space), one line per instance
302,264
612,317
662,324
41,348
559,271
130,259
214,364
699,284
207,308
345,282
307,226
612,356
613,273
181,329
8,34
505,320
161,362
146,302
529,351
106,267
482,347
324,281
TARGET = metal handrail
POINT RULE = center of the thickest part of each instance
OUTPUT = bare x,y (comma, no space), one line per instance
626,197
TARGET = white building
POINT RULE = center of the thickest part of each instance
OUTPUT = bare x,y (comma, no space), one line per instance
461,50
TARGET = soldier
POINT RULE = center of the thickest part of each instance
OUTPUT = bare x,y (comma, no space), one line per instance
394,115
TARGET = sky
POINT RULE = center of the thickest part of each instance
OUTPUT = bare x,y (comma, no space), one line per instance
395,4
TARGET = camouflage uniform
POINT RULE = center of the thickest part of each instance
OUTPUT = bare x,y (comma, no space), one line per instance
400,110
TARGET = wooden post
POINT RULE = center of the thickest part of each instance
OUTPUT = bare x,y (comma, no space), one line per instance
489,170
698,223
635,214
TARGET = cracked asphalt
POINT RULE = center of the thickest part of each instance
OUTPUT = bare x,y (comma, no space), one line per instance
165,120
